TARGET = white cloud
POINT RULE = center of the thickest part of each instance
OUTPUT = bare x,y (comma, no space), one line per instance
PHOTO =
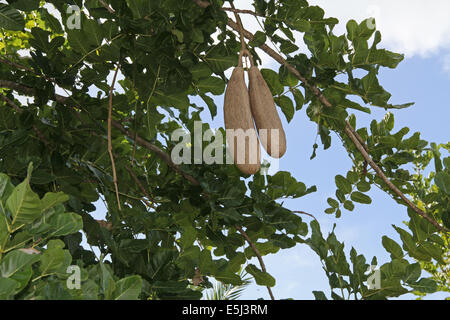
413,27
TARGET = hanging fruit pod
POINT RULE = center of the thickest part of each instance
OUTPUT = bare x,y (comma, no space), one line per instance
242,138
265,115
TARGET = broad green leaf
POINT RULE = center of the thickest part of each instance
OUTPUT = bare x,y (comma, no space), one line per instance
442,180
333,203
299,99
392,247
413,272
261,278
363,186
273,81
107,281
319,295
15,261
263,248
26,5
220,63
52,199
24,204
361,198
211,105
259,39
51,261
139,8
200,71
10,18
6,187
212,84
343,184
7,288
286,106
425,285
349,205
65,224
128,288
4,232
22,277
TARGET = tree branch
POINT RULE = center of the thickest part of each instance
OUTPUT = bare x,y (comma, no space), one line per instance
305,213
107,6
139,184
113,164
258,255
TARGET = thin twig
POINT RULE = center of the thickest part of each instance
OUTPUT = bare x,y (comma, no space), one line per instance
107,6
305,213
113,164
139,184
257,253
241,28
253,13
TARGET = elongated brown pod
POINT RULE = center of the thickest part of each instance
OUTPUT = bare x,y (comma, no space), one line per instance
270,130
242,138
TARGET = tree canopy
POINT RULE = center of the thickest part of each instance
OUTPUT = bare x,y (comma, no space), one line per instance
90,95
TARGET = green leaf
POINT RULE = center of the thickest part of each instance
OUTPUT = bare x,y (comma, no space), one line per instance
211,105
7,288
442,180
52,199
200,71
26,5
286,106
15,261
333,203
258,39
363,186
212,84
343,184
10,18
413,272
4,232
50,21
139,8
261,278
24,204
65,224
299,99
51,260
361,198
349,205
273,81
219,63
128,288
425,285
6,187
373,92
392,247
107,281
319,295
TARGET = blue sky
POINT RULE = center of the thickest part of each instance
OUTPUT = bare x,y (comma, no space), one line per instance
424,78
298,270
